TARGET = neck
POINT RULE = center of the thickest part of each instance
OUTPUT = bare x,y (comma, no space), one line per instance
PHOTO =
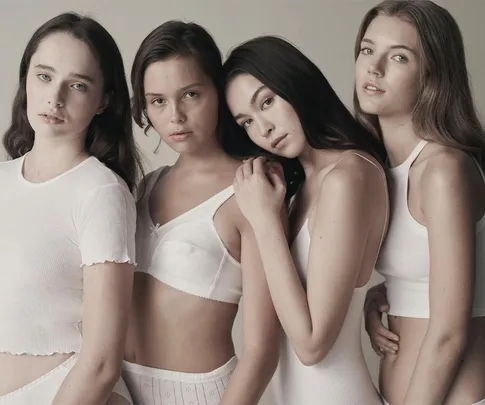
50,157
399,138
202,160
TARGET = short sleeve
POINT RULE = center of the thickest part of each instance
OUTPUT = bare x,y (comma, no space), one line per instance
106,224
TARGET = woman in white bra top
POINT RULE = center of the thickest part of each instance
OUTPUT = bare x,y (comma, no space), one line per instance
67,221
337,221
412,90
195,251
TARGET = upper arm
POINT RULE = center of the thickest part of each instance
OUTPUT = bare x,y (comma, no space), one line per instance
346,209
106,228
260,323
447,204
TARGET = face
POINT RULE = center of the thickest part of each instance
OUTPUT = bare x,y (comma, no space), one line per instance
270,121
64,88
388,68
182,104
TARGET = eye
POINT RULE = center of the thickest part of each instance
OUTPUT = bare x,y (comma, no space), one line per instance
79,87
190,94
366,51
44,77
267,102
400,58
246,123
158,101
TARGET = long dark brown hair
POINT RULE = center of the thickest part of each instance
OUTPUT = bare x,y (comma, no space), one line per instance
110,134
445,111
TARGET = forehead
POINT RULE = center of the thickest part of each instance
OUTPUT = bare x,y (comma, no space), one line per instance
241,88
169,75
391,31
67,55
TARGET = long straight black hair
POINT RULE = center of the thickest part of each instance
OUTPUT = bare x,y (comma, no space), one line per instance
326,122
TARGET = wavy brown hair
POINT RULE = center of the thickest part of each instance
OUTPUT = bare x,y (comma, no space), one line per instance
445,112
110,134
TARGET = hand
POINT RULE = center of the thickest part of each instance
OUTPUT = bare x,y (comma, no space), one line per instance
260,189
382,339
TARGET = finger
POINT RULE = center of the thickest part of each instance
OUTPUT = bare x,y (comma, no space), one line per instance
378,350
247,169
381,302
276,180
239,177
382,330
385,343
258,165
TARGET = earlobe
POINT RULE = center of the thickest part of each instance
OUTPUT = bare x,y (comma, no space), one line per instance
103,105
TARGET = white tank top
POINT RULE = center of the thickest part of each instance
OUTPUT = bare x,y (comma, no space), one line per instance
404,256
342,377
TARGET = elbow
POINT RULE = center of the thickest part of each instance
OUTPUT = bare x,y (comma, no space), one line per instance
105,372
451,341
310,356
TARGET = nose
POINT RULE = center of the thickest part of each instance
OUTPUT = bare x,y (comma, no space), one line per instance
266,128
178,116
56,97
375,68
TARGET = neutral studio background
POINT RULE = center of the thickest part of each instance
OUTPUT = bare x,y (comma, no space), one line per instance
323,29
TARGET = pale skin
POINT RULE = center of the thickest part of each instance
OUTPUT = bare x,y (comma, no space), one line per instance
173,330
352,219
440,360
64,79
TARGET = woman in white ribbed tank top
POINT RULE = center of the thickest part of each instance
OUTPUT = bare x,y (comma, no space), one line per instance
337,222
412,90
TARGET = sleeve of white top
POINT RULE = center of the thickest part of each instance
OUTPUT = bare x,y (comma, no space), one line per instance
106,226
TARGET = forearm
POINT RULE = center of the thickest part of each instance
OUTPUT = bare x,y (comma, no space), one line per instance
87,385
435,370
288,295
250,378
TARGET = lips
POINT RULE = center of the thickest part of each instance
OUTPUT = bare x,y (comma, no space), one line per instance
373,87
277,141
180,133
52,116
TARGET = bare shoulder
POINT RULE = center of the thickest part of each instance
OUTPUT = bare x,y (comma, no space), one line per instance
447,168
355,176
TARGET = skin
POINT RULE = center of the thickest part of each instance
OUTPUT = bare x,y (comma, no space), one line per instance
353,219
65,79
440,360
173,330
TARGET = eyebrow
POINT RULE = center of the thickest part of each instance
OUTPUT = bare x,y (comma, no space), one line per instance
196,84
76,75
253,99
369,41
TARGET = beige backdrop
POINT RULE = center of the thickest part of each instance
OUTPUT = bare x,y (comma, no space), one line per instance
323,29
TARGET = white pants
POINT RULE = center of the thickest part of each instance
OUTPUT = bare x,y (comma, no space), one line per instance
482,402
43,390
152,386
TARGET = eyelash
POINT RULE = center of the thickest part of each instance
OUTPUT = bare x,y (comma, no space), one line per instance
46,78
247,122
368,51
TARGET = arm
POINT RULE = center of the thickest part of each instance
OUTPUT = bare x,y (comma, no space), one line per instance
313,320
107,296
447,204
260,330
105,222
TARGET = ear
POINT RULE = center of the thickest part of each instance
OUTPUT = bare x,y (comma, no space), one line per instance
104,103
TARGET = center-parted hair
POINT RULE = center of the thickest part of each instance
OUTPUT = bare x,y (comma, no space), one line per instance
180,39
445,111
285,70
110,134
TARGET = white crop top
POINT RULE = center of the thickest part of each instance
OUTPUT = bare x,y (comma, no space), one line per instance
404,257
48,231
187,253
